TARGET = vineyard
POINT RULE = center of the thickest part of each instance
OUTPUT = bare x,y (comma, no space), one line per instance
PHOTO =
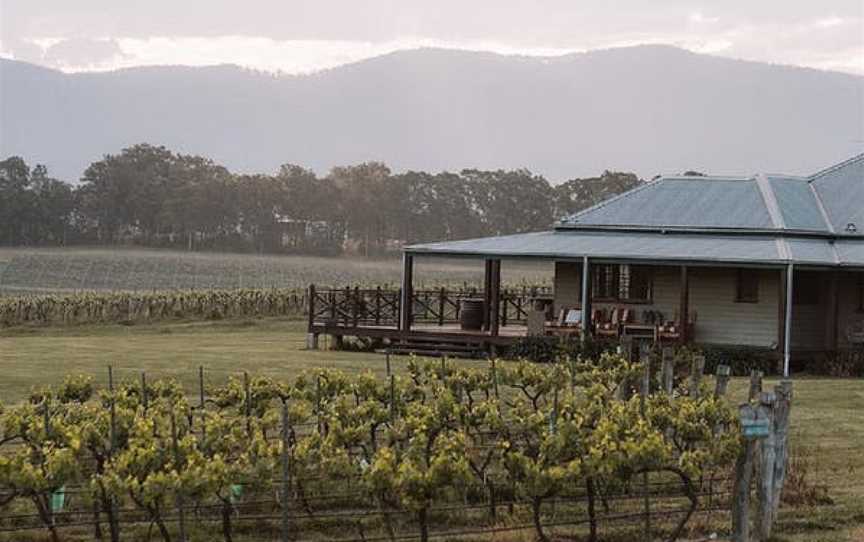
594,448
86,270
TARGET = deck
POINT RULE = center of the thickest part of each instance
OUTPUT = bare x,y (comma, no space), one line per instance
435,316
449,332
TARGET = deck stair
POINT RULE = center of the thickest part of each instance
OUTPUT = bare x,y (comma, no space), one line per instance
437,347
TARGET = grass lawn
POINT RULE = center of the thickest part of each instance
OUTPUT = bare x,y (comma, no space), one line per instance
827,414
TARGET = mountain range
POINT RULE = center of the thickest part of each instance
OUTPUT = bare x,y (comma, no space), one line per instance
647,109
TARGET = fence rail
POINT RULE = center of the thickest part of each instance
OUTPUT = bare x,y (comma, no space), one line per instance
381,306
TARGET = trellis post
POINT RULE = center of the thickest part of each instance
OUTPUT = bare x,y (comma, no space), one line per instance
181,512
668,369
285,473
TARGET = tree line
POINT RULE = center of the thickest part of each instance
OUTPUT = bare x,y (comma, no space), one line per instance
151,196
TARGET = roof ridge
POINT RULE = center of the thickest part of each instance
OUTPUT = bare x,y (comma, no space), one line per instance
822,209
770,200
835,167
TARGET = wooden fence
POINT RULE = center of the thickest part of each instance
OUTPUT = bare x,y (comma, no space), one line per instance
380,307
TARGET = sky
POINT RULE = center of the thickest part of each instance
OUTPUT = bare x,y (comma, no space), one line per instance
302,36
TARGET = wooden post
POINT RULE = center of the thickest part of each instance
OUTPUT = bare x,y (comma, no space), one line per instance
586,298
684,305
495,295
782,408
286,490
407,304
755,384
743,478
696,372
644,392
487,294
392,398
668,370
144,401
201,401
113,524
181,511
311,316
378,306
722,381
441,305
767,457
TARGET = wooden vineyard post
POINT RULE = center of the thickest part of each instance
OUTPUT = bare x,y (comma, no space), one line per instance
180,501
696,372
668,369
201,401
752,428
392,398
723,374
767,456
113,524
644,392
755,384
144,400
285,473
783,393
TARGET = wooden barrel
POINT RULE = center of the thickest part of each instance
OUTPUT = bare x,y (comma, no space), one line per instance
471,314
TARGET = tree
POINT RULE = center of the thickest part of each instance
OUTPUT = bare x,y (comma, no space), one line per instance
362,189
510,201
578,194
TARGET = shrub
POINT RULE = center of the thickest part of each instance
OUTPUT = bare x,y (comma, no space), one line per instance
741,359
550,349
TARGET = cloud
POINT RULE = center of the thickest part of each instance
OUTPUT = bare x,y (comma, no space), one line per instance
82,52
300,36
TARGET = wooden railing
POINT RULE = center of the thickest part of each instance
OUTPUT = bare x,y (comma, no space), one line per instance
353,307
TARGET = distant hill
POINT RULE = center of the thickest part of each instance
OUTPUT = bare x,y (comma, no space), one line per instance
647,109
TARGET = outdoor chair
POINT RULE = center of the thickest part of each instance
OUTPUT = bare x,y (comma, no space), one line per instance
569,323
610,327
671,331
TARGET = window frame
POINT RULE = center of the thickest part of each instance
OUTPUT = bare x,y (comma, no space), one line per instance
740,275
615,284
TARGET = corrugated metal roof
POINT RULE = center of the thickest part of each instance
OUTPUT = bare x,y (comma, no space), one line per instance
841,190
811,251
616,245
771,219
851,253
698,202
798,204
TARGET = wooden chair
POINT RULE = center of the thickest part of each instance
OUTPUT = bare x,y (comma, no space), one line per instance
671,331
610,327
569,323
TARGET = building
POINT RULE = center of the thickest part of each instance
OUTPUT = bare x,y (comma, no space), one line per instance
770,261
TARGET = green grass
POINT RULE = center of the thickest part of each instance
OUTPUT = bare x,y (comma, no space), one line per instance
827,414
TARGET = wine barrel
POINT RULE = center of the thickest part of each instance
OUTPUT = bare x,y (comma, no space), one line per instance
471,314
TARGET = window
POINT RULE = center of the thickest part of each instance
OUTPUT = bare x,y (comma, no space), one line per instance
747,286
805,288
622,283
606,282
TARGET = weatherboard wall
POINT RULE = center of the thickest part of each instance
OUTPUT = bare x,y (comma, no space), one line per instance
719,318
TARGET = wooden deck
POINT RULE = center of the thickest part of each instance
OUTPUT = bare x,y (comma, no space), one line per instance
430,332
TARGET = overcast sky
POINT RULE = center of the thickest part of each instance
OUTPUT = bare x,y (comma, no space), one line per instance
305,35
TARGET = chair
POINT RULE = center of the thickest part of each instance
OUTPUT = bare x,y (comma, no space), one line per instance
569,323
671,331
610,327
